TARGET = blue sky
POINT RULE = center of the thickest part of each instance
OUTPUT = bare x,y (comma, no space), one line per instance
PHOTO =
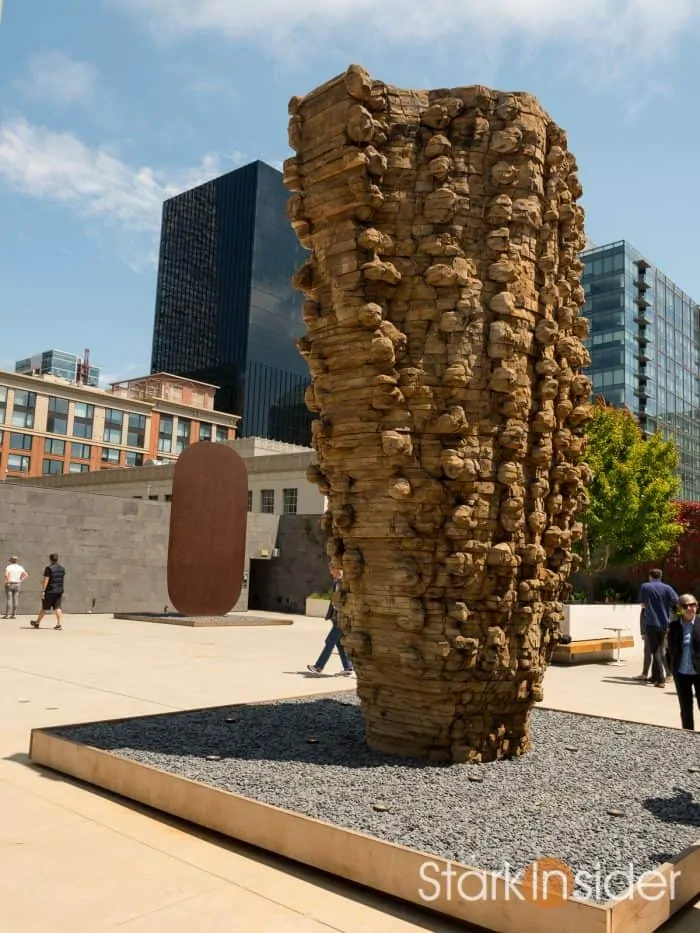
109,106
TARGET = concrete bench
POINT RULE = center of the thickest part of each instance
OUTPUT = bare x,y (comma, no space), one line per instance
590,649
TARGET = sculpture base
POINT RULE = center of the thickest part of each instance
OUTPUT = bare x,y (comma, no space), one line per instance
174,618
296,778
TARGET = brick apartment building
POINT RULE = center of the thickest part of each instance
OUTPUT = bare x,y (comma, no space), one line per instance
50,426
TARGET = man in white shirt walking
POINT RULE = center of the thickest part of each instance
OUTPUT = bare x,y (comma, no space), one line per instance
15,574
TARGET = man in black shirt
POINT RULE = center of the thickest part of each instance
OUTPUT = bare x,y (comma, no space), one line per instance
52,592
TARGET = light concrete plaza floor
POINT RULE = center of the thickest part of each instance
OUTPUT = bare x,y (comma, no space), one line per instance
77,860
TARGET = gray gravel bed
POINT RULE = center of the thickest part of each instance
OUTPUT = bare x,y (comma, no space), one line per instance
552,802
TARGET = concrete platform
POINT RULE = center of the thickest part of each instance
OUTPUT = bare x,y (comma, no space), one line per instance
231,620
80,859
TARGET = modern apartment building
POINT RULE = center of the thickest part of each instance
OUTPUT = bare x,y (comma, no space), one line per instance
645,348
50,426
58,363
226,312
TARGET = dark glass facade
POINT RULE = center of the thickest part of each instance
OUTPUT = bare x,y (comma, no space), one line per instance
225,309
645,348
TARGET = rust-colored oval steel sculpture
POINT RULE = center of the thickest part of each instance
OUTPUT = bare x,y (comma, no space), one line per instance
206,550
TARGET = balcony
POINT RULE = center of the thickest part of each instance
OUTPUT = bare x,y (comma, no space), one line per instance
641,302
642,265
642,284
642,321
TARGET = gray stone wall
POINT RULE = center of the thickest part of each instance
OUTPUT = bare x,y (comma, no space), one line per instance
282,584
115,550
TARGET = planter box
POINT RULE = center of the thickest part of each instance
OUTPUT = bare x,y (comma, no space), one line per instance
316,607
479,898
583,621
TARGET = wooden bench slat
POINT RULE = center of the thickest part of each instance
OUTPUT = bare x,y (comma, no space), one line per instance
591,646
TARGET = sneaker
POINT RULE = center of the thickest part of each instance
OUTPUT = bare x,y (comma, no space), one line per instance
661,685
34,624
58,628
312,669
347,673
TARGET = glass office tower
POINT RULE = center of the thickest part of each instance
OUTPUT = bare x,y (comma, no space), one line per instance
226,312
645,348
57,363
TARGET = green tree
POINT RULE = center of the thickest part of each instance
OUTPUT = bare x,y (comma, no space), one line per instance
631,516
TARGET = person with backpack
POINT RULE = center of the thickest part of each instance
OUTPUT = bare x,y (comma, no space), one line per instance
52,592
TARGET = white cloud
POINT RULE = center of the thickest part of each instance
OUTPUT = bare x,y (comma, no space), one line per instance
94,182
57,77
212,86
631,25
127,371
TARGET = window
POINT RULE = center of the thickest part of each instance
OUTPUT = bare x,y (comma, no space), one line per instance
110,455
3,403
114,424
136,433
205,431
168,497
289,501
20,441
165,434
78,468
23,410
57,420
133,459
53,446
250,500
52,467
17,464
221,435
82,422
153,498
183,434
267,501
80,451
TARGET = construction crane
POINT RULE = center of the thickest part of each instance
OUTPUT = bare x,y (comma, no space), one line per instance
83,368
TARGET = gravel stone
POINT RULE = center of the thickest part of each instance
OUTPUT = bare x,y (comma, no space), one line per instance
549,803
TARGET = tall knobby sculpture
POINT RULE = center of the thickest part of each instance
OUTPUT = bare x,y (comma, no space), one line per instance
443,302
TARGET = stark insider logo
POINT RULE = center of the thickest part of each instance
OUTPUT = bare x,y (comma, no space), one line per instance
546,882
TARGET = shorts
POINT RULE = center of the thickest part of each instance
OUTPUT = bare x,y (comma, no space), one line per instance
51,601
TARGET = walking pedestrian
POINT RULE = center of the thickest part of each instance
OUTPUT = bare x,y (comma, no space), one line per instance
646,663
684,650
658,599
52,592
15,575
333,639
